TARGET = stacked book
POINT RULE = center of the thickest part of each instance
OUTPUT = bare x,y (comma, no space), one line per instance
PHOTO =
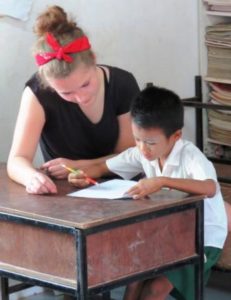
218,5
219,128
218,41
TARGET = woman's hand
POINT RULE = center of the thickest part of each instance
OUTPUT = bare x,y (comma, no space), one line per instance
54,167
40,184
145,187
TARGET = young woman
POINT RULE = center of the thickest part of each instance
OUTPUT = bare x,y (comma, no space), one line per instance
77,110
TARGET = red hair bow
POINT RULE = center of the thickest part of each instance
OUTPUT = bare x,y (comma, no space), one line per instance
61,52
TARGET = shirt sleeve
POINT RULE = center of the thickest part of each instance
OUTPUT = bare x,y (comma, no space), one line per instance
127,164
199,167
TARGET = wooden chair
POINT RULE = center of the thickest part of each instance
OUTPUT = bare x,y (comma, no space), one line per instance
224,263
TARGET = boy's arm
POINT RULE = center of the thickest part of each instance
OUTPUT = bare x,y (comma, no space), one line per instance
95,171
151,185
206,187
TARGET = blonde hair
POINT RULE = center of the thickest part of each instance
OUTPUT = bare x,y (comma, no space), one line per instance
55,20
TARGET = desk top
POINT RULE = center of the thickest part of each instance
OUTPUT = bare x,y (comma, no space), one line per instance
79,212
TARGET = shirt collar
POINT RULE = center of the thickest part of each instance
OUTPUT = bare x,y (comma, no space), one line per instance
174,156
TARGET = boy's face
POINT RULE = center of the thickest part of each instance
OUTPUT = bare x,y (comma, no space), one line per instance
152,142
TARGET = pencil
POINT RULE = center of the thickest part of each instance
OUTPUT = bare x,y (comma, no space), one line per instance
74,171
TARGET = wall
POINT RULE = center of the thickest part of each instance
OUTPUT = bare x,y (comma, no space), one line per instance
156,40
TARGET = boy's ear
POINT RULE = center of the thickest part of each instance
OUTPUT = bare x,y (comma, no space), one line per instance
177,135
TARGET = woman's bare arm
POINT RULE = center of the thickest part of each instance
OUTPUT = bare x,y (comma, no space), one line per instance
30,122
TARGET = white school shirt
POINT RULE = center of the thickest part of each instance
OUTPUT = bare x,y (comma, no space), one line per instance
184,161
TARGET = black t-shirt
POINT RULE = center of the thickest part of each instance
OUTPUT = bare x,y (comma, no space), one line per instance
69,133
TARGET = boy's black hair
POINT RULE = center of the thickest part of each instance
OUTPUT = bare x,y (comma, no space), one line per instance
157,107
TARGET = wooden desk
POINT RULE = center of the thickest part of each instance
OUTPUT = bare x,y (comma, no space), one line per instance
84,246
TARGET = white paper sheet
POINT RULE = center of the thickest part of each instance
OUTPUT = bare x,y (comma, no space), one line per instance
111,189
18,9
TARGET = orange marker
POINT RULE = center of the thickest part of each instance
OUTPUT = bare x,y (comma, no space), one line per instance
74,171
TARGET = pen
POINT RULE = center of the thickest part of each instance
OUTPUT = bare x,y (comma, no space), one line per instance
74,171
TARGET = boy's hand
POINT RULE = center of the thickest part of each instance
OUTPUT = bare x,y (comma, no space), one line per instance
145,187
79,180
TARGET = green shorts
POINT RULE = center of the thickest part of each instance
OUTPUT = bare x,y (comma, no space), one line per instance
183,278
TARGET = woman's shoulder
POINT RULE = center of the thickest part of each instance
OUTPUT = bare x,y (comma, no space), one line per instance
37,86
121,72
118,74
121,88
45,95
34,83
123,82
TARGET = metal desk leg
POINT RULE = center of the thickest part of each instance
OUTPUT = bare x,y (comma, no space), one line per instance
4,288
199,268
82,284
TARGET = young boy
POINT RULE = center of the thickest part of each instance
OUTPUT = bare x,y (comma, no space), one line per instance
168,161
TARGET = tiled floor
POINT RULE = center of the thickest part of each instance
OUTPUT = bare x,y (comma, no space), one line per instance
219,288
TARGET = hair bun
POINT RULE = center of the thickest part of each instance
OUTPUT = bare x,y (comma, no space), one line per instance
54,19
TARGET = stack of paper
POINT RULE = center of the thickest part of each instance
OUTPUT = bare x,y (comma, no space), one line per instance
220,93
218,41
218,5
220,120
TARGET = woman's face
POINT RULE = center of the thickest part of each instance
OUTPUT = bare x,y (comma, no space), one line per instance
80,87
